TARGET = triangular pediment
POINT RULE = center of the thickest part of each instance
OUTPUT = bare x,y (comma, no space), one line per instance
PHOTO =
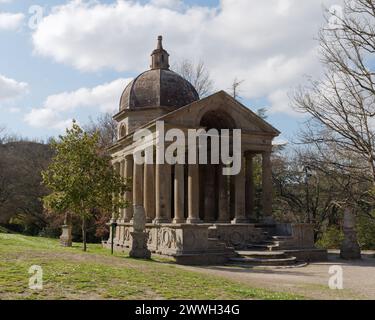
221,102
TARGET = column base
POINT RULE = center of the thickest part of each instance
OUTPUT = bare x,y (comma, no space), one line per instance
240,220
193,221
161,220
139,248
223,221
179,221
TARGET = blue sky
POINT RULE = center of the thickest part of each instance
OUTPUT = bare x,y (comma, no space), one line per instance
80,56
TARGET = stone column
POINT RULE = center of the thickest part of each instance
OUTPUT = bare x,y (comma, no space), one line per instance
163,192
240,183
179,193
193,194
129,163
122,211
224,213
117,215
250,211
138,247
137,186
267,187
149,192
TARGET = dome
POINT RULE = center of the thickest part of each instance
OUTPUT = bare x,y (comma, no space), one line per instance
158,87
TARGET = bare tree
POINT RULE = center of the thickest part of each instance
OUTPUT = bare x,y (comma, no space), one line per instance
107,128
342,104
235,88
197,75
2,134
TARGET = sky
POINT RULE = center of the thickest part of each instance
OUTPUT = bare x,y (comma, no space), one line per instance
64,60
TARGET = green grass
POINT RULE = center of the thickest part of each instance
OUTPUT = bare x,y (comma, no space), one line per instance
70,273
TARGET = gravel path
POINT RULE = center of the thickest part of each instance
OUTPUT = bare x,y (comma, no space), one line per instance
310,281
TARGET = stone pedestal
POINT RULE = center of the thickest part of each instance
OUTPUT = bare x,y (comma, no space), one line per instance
350,249
139,246
66,236
139,236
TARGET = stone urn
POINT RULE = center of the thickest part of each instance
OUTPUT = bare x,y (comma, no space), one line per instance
66,236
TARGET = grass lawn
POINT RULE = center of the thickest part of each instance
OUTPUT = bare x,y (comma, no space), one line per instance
69,273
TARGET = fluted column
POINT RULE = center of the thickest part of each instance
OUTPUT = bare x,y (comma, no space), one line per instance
267,186
179,193
163,176
149,191
224,213
240,214
129,163
250,211
193,194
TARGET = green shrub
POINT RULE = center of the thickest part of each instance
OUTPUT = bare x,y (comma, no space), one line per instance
331,238
366,232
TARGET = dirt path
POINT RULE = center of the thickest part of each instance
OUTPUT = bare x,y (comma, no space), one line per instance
310,281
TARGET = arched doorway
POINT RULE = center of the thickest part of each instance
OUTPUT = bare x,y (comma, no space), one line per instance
211,174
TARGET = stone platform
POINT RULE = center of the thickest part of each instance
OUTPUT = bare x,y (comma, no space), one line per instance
209,244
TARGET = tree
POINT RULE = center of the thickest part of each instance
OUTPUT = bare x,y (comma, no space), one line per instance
21,163
81,178
197,75
235,88
341,104
106,128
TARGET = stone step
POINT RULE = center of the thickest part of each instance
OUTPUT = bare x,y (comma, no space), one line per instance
263,254
264,246
282,238
263,261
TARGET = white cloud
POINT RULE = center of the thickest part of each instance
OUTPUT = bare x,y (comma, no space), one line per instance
57,108
171,4
11,89
269,44
11,21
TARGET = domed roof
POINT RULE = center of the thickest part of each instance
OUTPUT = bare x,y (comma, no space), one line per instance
158,87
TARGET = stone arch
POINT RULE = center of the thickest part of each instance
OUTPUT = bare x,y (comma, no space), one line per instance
217,119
